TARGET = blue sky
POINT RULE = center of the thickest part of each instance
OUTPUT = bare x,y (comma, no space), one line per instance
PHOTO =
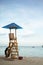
26,13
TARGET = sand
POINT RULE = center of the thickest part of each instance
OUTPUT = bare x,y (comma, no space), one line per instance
24,61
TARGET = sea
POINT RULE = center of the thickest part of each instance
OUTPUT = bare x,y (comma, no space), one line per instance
26,51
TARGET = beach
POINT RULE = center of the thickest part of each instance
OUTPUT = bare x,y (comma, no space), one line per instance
24,61
31,57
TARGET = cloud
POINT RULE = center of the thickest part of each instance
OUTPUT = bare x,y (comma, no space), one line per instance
36,25
2,34
4,31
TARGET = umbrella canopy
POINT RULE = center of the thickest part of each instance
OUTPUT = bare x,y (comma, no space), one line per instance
12,26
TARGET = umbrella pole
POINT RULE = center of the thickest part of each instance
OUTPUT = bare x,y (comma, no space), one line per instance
16,45
10,30
15,33
9,37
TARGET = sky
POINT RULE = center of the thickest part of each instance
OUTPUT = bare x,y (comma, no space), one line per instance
26,13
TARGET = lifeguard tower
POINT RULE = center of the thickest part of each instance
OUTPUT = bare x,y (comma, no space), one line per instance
12,49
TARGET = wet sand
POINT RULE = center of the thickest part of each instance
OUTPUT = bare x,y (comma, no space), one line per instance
24,61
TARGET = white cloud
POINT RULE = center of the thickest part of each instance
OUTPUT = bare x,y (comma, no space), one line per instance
4,31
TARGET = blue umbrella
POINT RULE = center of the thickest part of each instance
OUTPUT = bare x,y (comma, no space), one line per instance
12,26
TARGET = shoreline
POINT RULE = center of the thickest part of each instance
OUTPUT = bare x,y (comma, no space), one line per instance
24,61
